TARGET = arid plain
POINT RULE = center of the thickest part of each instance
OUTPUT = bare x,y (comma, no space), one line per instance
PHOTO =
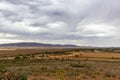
59,63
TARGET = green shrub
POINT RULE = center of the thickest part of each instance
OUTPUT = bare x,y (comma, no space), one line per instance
11,75
59,75
22,77
17,57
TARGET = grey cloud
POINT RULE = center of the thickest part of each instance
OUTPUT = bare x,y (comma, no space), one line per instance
13,17
80,21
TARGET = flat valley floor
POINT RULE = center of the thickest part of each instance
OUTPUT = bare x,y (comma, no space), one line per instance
59,64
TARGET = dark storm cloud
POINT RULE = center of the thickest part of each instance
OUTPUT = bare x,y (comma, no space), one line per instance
79,21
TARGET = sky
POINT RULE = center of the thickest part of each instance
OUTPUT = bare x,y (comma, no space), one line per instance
79,22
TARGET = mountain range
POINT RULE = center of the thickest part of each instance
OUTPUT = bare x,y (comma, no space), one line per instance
33,44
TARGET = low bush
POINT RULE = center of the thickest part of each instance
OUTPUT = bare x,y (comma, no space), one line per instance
11,75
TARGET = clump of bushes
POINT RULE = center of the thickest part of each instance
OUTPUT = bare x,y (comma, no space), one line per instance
109,75
6,74
17,57
78,65
20,57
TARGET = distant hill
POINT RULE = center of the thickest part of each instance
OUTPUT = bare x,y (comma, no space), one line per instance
31,44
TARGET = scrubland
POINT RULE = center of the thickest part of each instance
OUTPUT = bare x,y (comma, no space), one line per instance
59,64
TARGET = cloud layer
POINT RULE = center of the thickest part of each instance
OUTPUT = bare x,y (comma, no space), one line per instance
81,22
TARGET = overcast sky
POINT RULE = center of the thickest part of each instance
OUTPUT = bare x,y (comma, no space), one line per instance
81,22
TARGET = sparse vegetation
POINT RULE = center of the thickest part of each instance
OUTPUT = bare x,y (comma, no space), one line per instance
64,64
6,74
